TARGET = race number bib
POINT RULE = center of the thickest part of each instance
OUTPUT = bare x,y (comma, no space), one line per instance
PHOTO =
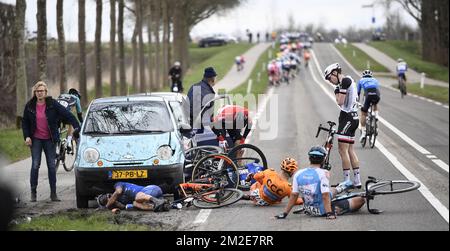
63,103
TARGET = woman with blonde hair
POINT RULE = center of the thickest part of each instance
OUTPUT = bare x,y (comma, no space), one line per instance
41,119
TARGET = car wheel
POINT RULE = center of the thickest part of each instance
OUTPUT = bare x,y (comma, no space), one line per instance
82,201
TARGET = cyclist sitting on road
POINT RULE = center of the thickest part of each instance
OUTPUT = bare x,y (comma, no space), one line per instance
372,97
271,187
313,185
232,119
346,98
128,195
175,74
71,100
402,68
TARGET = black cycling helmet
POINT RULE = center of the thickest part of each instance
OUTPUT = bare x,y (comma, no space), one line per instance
75,92
367,74
317,155
102,200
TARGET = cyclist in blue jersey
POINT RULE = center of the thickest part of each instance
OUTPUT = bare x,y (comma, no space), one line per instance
313,185
371,88
128,196
71,100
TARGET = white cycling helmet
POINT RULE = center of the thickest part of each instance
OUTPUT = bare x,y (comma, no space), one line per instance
400,60
330,69
177,64
367,74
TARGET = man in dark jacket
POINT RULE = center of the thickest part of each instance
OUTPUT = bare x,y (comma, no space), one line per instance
199,95
41,119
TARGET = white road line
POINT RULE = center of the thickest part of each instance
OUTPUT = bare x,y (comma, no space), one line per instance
202,216
440,208
402,135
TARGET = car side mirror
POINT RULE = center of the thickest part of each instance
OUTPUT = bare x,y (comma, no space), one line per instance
184,128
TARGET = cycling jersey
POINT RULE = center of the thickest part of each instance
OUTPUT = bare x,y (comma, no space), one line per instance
129,192
69,101
273,188
402,68
311,183
350,103
371,92
273,69
367,84
226,121
249,168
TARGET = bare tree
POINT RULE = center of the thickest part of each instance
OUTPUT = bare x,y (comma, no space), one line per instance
151,80
157,17
112,48
135,59
122,75
139,18
21,74
42,39
82,46
98,50
61,46
166,37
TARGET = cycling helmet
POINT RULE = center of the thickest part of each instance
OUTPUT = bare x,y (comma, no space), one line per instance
177,64
330,69
102,200
317,154
367,74
400,60
289,165
75,92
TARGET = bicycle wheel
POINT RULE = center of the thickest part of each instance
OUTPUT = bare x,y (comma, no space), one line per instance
392,187
244,155
218,198
217,166
195,154
374,133
69,157
60,154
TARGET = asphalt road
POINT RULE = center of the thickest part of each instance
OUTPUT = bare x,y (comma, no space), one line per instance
300,108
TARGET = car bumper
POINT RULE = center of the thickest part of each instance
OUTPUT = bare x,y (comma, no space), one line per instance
95,181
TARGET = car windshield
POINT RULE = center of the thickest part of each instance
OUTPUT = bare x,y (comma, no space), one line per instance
180,112
128,118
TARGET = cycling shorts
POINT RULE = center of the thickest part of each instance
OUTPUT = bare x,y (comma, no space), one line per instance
256,198
343,207
372,97
152,190
402,75
348,124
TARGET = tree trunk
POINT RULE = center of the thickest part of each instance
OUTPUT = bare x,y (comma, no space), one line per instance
61,46
98,50
42,39
21,74
166,39
122,74
112,48
150,41
82,45
139,12
135,60
157,12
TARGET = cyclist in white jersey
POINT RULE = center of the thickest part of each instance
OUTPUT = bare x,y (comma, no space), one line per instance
346,96
313,185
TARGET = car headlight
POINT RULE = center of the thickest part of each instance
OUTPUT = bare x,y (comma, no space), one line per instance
165,153
91,155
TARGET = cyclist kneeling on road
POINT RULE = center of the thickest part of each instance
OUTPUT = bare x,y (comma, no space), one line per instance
271,187
232,119
313,185
128,196
372,95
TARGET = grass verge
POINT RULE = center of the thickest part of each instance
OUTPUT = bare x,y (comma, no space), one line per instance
359,59
12,145
411,53
432,92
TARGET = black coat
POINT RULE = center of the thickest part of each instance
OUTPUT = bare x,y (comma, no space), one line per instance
54,112
207,93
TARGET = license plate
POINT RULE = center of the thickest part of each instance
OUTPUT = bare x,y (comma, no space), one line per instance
129,174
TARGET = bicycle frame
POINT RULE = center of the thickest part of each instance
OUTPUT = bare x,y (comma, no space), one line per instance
328,143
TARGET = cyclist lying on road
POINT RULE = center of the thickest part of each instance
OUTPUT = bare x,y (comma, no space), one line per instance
128,196
313,184
272,187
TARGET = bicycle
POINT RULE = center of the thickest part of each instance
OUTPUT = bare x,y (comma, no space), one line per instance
371,128
328,143
402,86
207,193
65,156
374,187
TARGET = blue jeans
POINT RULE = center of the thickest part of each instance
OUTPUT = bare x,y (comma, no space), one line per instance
50,154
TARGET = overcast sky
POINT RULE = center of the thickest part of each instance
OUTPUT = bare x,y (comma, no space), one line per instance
256,15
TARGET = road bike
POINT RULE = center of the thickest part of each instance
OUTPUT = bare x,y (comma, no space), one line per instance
371,128
65,156
375,187
402,86
328,142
